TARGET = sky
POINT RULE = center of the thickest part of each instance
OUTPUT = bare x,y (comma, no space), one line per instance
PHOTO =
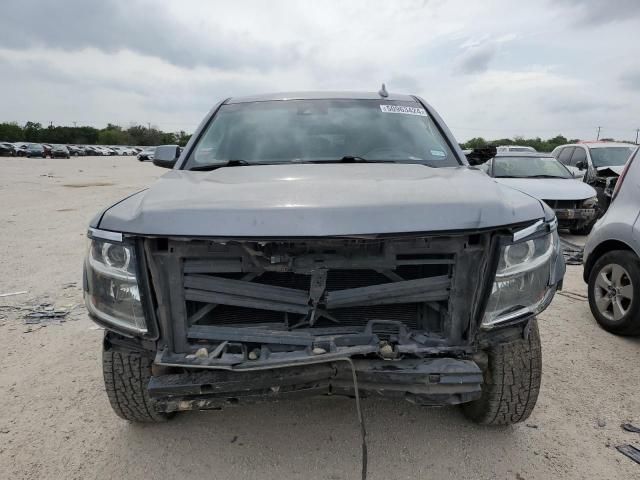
494,69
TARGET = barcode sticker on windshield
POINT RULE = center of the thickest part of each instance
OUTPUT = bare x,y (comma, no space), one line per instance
403,109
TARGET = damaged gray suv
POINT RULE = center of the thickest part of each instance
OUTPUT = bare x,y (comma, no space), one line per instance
322,243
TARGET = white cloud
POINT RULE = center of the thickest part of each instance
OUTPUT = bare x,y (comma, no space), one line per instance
491,68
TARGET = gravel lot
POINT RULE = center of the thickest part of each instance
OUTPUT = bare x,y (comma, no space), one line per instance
55,421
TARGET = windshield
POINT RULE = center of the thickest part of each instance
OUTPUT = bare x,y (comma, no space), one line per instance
322,130
523,167
610,156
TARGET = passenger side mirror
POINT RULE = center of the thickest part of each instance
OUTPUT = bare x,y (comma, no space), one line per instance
166,156
581,165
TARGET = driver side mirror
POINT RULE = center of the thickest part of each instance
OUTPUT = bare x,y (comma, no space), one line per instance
166,156
581,165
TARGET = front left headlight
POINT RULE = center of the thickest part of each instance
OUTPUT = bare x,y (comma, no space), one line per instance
112,293
522,281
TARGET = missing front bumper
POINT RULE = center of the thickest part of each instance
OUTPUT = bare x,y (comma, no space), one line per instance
582,214
432,381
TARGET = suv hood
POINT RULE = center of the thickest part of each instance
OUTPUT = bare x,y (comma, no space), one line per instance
311,200
551,188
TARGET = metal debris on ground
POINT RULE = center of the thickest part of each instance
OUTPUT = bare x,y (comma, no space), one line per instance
630,428
45,313
572,252
10,294
630,451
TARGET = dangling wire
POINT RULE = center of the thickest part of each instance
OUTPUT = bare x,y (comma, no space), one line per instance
363,431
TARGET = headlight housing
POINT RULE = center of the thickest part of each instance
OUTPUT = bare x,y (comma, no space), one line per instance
522,281
112,293
590,202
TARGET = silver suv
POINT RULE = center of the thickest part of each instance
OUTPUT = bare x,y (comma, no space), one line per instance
596,163
305,240
612,258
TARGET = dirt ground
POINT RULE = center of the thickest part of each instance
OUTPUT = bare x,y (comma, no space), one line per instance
55,421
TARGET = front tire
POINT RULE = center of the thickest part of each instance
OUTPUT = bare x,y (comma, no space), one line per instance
126,376
614,292
511,382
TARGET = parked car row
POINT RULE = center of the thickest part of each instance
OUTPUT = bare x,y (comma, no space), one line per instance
593,189
576,180
543,177
43,150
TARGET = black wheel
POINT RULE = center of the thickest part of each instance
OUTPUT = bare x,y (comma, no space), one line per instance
614,292
511,382
126,375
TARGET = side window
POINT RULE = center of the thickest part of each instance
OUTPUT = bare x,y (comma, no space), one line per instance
579,155
565,156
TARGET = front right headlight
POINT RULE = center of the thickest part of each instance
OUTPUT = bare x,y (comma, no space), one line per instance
521,285
590,202
112,294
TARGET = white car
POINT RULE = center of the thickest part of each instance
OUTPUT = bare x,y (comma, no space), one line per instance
514,148
543,177
594,158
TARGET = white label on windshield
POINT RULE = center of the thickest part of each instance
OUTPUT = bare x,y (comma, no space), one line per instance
402,109
438,153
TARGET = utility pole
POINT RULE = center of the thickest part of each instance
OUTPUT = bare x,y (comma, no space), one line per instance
637,130
598,136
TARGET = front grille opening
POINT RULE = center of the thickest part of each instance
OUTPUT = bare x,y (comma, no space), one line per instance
414,315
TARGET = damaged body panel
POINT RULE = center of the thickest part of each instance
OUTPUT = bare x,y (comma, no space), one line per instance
233,282
308,200
574,202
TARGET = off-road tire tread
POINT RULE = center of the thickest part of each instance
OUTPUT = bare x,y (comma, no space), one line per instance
511,382
126,376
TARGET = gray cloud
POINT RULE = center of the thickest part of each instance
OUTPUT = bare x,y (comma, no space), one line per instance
565,103
476,59
403,83
600,12
142,27
631,80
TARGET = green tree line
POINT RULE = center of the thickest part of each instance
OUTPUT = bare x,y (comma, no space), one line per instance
538,143
86,135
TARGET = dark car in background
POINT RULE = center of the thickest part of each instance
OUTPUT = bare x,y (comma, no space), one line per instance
542,176
597,164
21,149
93,150
76,150
36,150
60,151
146,154
7,149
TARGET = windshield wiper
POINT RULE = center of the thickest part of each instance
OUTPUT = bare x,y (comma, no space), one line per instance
352,159
545,176
528,176
213,166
